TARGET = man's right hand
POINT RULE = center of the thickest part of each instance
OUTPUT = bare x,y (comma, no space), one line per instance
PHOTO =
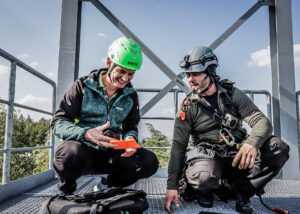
171,194
95,135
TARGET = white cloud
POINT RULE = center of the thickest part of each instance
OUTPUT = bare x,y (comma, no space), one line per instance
23,56
101,34
261,58
4,70
34,101
51,75
34,65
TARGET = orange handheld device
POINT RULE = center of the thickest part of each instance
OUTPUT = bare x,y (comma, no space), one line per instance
125,144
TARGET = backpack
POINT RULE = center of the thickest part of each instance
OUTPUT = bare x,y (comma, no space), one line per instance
112,200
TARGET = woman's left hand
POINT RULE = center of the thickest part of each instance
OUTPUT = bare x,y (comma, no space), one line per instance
130,151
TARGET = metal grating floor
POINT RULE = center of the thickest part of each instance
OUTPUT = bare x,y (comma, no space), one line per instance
284,194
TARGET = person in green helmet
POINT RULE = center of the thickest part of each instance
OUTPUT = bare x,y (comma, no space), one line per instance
98,108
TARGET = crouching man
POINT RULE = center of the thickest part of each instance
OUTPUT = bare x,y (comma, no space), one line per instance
224,155
96,109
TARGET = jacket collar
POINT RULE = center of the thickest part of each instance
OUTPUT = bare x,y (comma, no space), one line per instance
93,82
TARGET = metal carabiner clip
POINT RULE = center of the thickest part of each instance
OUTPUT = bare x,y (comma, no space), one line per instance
223,133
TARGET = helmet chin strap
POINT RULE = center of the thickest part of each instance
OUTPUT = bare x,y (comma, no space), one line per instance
199,91
110,70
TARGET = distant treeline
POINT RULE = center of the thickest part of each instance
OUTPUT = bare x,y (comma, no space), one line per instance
26,133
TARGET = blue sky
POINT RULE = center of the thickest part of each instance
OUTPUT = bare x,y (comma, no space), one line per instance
30,31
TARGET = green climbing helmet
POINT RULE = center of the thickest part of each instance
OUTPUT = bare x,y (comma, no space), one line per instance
198,59
126,53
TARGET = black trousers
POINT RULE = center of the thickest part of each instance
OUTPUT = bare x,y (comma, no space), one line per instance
74,159
206,175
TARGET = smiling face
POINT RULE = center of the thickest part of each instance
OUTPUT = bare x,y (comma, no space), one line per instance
121,76
198,80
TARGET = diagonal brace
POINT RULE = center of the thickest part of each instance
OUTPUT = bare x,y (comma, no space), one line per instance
213,46
158,62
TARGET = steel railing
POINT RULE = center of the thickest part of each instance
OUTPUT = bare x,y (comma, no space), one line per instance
11,104
250,93
10,112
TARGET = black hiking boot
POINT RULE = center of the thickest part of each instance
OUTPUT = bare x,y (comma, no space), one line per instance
206,200
243,205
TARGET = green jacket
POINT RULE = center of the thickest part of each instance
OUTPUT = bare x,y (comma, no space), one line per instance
85,102
199,124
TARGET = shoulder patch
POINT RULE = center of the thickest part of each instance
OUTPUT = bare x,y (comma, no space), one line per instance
183,108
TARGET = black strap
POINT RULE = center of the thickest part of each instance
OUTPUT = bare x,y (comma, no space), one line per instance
211,112
109,201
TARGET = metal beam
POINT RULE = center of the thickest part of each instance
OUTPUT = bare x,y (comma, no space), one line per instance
273,55
68,52
213,46
157,61
235,26
69,46
286,88
159,95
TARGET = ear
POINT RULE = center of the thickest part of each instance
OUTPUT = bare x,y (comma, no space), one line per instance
108,62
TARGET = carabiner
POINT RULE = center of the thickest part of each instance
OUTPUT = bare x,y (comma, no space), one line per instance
223,133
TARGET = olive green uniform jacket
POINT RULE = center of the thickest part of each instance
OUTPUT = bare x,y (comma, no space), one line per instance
200,125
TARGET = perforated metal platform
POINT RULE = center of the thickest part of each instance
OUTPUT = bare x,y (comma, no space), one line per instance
284,194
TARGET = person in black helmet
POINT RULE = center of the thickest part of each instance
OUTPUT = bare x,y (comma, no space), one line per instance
224,158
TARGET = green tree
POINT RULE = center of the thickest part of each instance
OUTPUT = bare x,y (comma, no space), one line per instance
26,133
158,139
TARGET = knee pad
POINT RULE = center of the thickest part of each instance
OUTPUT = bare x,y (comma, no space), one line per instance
281,152
202,180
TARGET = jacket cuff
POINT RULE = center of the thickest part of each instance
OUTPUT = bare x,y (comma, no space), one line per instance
256,145
131,133
172,186
81,134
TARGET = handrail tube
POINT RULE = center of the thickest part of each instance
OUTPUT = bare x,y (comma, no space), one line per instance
52,138
9,116
156,90
26,67
22,149
26,107
157,118
9,124
176,91
157,147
